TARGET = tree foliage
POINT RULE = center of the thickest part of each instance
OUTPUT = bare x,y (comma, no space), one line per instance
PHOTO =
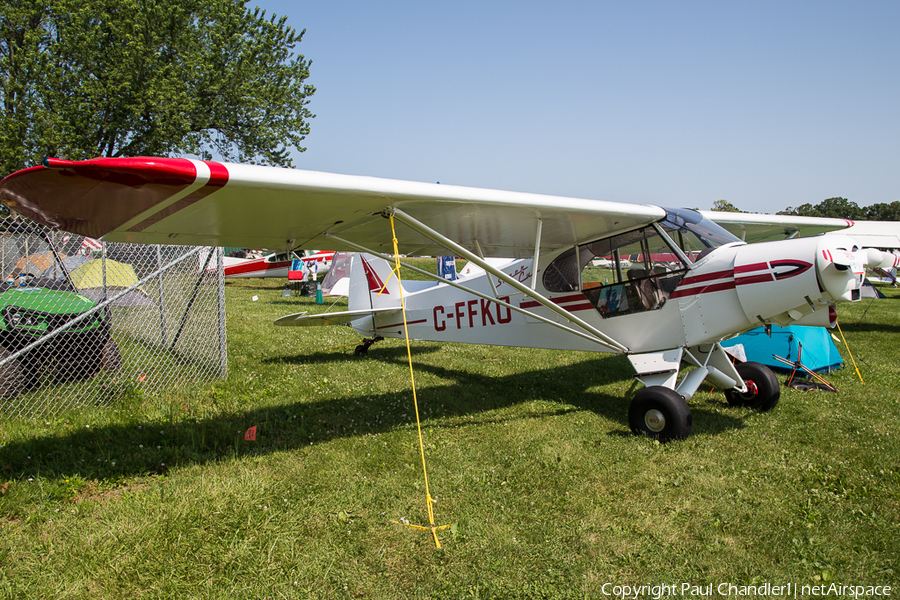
725,206
883,212
85,78
841,208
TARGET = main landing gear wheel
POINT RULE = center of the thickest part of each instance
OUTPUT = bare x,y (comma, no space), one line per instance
763,390
660,413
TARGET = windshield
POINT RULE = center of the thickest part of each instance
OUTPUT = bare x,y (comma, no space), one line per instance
693,232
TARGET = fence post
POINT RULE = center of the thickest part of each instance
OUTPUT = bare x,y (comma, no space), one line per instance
103,264
162,298
223,341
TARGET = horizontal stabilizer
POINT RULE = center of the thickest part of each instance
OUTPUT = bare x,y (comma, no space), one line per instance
334,318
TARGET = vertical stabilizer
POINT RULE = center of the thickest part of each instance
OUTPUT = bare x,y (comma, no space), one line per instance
372,283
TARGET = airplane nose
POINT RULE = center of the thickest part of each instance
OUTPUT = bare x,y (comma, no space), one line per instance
841,267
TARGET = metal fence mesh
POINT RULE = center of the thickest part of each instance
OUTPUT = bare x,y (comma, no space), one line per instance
85,323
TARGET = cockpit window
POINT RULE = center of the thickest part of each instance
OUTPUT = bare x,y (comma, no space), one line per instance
623,274
638,270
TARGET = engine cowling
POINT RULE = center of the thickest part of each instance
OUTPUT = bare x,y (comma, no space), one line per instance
799,280
841,267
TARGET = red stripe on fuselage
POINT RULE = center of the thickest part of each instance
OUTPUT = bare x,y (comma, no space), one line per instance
742,275
392,325
560,300
703,283
762,266
713,276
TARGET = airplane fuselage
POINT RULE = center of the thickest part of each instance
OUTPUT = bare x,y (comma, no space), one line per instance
732,289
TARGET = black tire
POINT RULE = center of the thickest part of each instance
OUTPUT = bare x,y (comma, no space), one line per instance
111,358
763,388
361,350
12,377
660,413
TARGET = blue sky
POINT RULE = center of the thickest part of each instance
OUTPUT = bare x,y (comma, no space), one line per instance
764,104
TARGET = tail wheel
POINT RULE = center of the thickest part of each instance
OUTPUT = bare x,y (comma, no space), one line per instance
763,390
363,349
660,413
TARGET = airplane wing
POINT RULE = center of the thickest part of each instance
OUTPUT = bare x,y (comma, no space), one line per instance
752,227
192,202
876,234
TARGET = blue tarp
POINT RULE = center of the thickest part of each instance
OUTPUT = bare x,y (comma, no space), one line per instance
819,352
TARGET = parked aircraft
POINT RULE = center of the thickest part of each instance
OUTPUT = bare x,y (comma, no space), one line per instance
533,289
275,264
752,227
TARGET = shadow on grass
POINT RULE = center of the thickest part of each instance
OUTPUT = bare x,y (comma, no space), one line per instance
866,327
137,447
389,355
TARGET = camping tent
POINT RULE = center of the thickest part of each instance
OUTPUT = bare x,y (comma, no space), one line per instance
70,263
869,291
33,264
90,274
88,278
819,352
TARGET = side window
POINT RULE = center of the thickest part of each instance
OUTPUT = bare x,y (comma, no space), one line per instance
624,274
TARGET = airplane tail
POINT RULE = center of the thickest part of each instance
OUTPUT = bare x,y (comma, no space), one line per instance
373,285
374,289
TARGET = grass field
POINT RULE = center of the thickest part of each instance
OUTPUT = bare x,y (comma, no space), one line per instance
546,492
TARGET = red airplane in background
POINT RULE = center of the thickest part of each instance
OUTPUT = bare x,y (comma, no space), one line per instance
276,264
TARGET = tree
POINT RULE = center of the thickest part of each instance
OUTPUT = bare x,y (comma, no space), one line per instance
725,206
209,78
837,208
883,212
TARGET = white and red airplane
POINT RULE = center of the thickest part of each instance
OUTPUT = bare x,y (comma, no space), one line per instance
276,264
529,282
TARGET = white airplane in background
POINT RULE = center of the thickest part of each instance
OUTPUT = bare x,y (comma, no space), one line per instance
753,227
530,251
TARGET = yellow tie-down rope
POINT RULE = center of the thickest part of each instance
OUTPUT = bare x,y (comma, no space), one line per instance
847,346
428,499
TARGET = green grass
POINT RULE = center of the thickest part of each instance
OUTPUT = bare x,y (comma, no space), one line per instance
529,457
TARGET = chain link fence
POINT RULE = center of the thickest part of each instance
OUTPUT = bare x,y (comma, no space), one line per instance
87,323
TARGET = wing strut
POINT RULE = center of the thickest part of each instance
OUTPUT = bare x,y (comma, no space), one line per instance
537,252
450,244
490,279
